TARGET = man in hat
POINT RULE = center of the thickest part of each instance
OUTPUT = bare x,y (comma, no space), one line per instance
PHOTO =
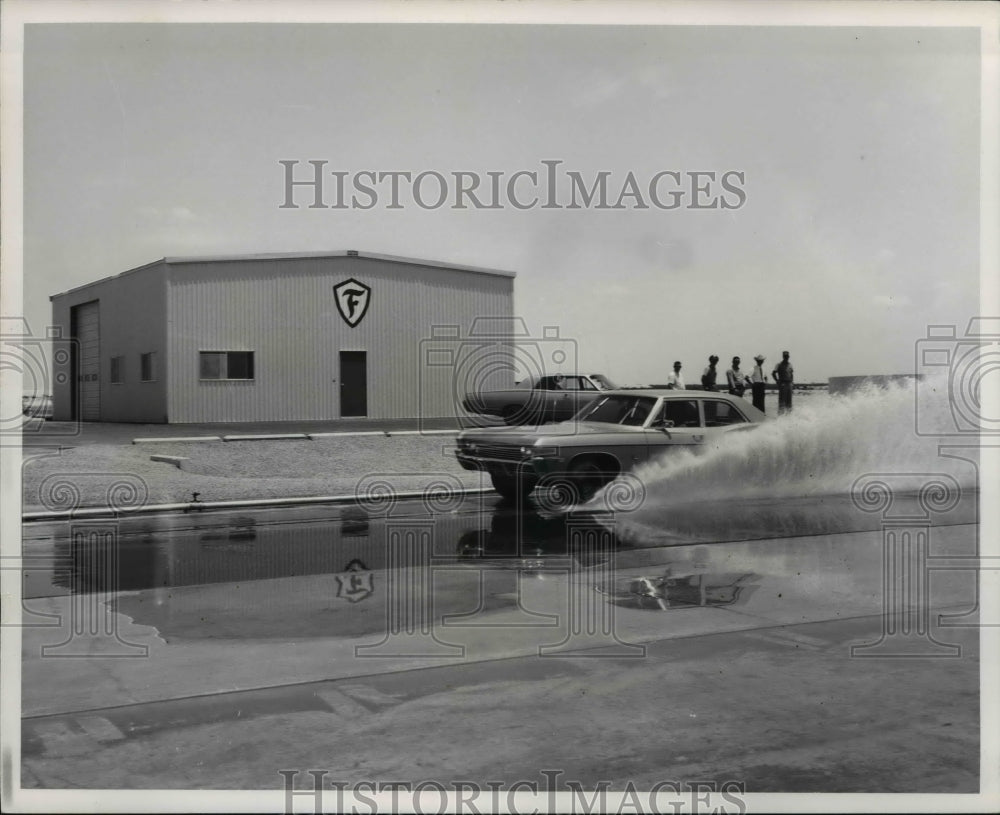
736,379
784,375
758,382
708,377
674,379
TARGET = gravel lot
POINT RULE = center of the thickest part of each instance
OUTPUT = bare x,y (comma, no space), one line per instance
237,470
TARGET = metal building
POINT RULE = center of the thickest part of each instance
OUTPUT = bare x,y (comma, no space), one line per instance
276,337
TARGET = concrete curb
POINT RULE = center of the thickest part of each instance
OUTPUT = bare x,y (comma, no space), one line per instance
292,436
185,439
199,506
269,437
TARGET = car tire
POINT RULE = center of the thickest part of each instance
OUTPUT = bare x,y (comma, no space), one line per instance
588,477
510,487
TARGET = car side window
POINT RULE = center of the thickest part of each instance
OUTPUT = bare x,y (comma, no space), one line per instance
720,414
586,384
680,413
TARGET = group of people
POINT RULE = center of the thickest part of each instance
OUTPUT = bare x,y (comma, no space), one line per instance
737,381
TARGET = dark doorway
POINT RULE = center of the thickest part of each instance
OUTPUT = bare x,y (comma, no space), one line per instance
353,383
85,328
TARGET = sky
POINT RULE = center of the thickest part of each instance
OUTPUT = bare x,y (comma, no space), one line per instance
858,148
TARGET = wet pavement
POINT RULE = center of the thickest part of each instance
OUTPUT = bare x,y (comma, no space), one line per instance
473,624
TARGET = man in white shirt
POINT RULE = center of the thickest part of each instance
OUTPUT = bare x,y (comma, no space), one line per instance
674,379
736,379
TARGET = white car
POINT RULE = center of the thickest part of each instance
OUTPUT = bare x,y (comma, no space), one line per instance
615,432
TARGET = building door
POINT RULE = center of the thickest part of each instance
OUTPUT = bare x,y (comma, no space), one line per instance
353,383
86,330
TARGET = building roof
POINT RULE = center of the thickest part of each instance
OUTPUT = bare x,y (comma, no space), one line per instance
352,253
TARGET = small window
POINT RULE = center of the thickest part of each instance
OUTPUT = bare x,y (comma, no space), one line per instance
117,370
226,364
586,384
719,413
147,367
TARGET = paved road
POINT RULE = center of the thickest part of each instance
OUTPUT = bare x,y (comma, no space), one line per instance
481,644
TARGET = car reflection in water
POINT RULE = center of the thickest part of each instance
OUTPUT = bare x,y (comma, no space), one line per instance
530,540
666,591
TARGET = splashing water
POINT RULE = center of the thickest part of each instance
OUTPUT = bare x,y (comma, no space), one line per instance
821,448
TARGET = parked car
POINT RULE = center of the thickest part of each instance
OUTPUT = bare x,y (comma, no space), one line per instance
548,398
39,407
615,432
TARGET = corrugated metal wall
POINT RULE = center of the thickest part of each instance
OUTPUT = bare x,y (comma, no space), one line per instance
132,321
284,310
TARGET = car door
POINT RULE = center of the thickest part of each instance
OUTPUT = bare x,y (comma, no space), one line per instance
682,429
720,416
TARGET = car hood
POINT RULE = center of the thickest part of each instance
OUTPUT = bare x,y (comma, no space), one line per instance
548,434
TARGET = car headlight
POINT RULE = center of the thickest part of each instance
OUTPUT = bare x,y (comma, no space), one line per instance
540,452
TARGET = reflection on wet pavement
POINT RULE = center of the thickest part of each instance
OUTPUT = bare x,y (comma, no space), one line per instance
340,576
668,591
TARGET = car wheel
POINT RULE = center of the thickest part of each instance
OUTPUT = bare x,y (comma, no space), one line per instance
588,477
512,487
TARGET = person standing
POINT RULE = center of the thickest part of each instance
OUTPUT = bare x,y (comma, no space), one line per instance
708,377
758,382
784,375
674,379
736,379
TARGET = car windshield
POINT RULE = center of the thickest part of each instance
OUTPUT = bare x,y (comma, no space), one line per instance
604,382
627,410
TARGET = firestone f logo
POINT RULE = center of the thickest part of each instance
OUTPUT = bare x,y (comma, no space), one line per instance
353,299
356,582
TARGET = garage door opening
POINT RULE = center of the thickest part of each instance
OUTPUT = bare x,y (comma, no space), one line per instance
85,326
